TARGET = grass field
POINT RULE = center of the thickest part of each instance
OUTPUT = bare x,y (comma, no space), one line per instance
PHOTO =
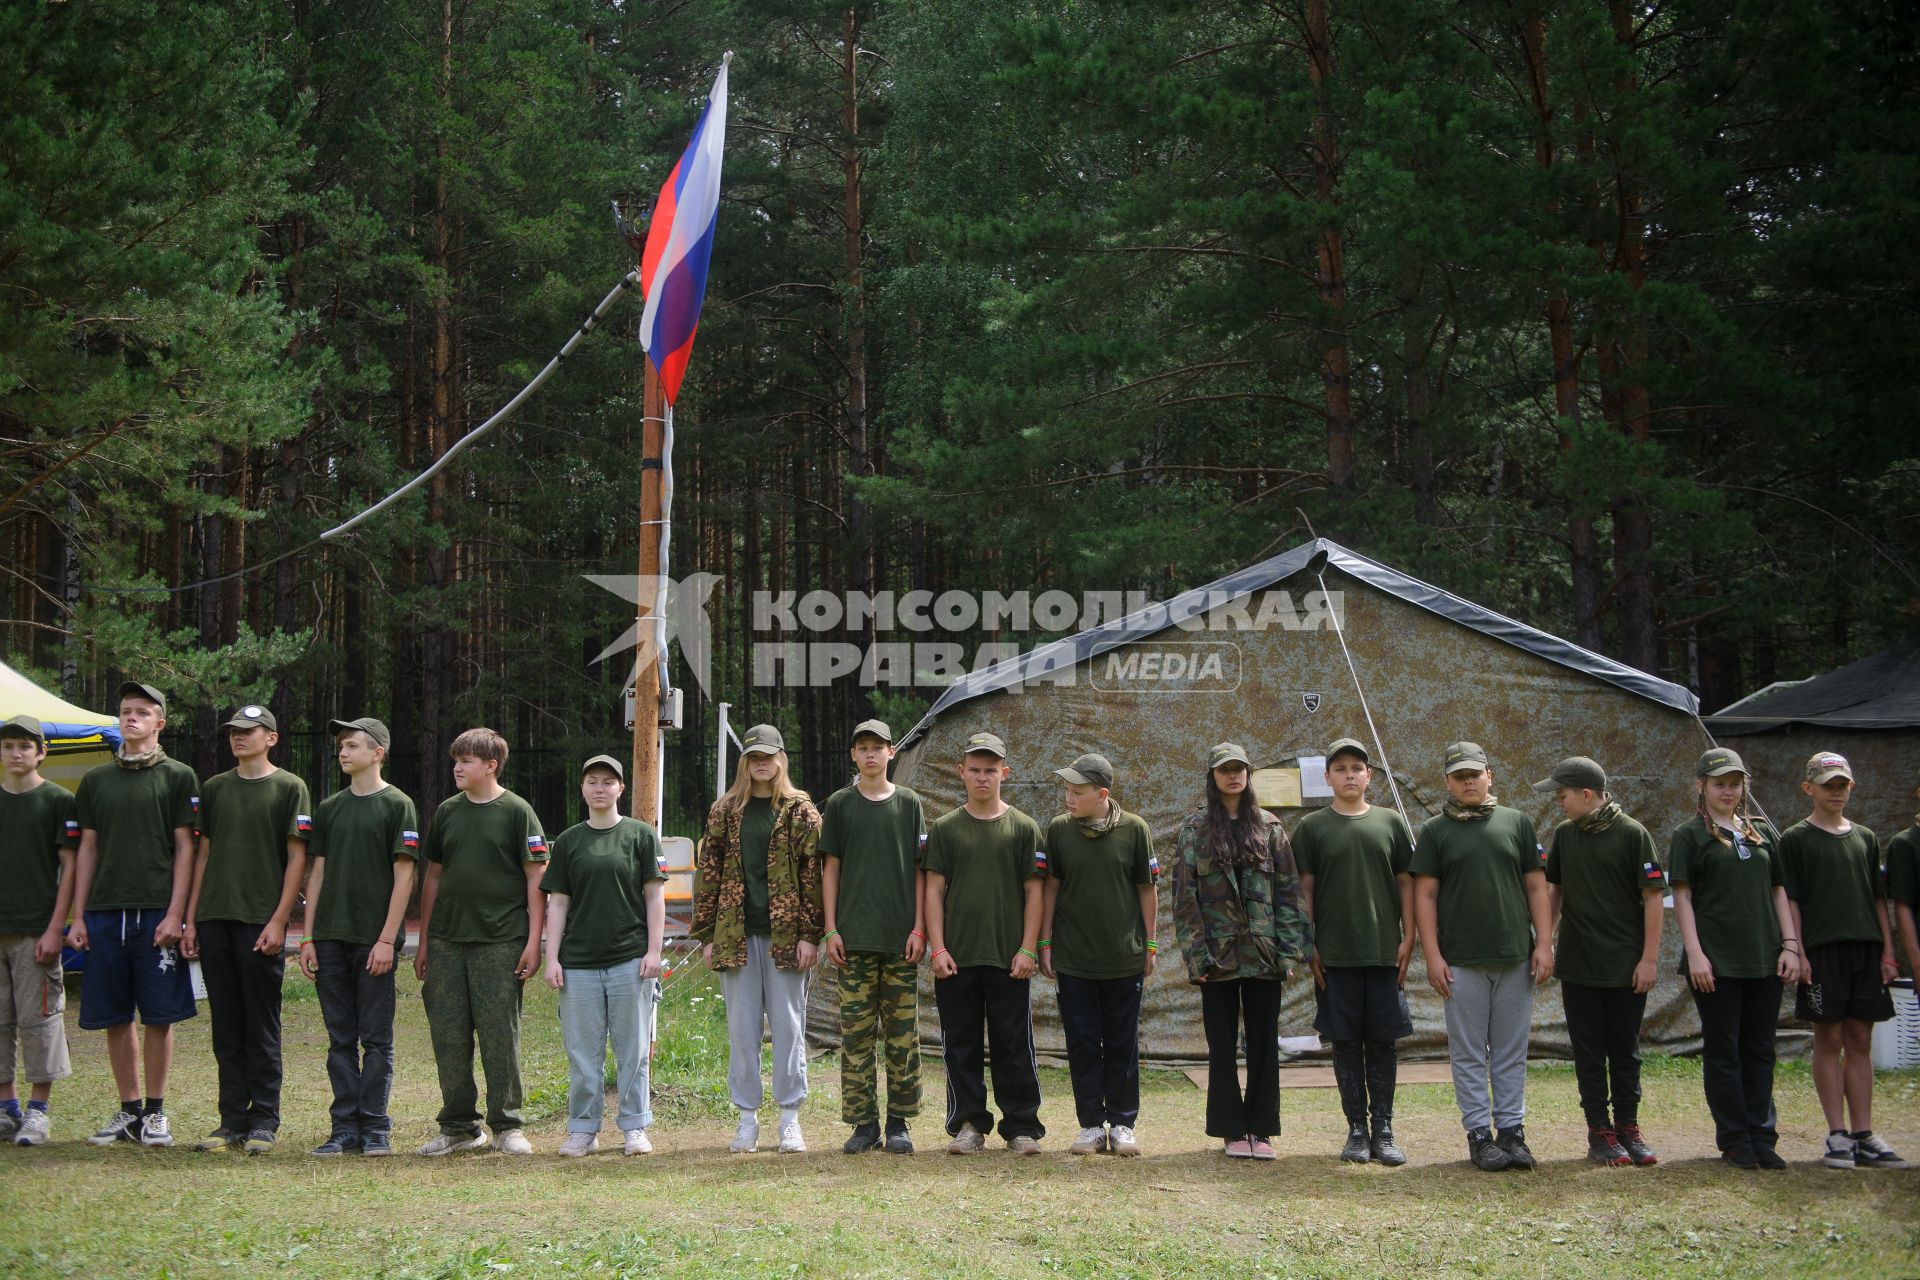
693,1210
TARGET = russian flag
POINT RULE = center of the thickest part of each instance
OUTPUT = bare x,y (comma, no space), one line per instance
673,266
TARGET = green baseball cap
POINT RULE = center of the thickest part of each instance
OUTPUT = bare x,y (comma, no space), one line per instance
1577,772
1349,746
878,728
762,740
134,689
1465,755
376,730
1720,761
26,725
1825,766
604,762
984,743
1227,753
252,716
1089,770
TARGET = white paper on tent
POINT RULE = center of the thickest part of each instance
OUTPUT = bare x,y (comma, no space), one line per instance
1313,778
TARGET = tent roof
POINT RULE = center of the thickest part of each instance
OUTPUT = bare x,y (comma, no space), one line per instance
1877,692
20,696
1038,663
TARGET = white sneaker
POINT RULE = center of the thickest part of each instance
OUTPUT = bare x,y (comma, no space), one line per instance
1123,1142
124,1127
155,1131
1091,1142
577,1144
35,1128
442,1144
791,1143
514,1143
638,1144
747,1137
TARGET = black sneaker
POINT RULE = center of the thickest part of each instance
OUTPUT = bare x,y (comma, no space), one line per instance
1766,1157
338,1145
222,1139
866,1137
1741,1157
898,1142
1486,1154
1357,1150
1637,1149
376,1144
1603,1147
1383,1149
1840,1151
1514,1142
1870,1151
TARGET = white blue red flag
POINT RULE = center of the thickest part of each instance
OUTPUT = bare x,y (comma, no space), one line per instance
673,266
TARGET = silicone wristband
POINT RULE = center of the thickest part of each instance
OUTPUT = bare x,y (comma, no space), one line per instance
831,933
1153,946
1029,955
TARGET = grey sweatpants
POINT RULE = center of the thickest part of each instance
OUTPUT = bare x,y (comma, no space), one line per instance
1488,1017
761,996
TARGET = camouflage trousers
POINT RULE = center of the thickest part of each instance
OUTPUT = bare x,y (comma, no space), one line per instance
879,1000
473,998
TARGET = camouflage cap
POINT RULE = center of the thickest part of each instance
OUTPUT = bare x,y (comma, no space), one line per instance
134,689
1824,766
604,762
1350,747
762,740
1465,755
878,728
1578,772
27,726
1089,770
1224,753
984,743
376,730
1719,761
253,716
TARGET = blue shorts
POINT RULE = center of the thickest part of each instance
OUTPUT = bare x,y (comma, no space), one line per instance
125,971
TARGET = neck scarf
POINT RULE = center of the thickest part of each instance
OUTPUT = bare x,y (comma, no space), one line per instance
1095,827
145,760
1470,812
1600,819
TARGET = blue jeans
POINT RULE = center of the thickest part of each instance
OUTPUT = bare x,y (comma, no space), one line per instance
599,1007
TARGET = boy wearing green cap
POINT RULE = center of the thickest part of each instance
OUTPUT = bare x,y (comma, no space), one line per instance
1831,869
1606,890
873,891
1480,896
365,842
1354,860
254,823
38,832
985,862
1097,921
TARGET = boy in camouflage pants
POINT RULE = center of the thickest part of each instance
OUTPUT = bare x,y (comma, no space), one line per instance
871,836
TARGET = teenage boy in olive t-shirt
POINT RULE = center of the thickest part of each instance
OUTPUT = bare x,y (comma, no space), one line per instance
1355,864
1098,915
481,912
38,831
873,892
1606,891
365,842
254,821
1831,868
1480,897
984,868
130,884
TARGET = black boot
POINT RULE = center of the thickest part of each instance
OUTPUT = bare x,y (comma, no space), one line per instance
1382,1146
1487,1155
866,1137
898,1143
1350,1074
1357,1150
1514,1142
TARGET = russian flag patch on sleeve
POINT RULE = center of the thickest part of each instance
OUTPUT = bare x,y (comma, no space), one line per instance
1651,871
536,843
1039,859
1153,865
303,823
409,839
73,828
1542,851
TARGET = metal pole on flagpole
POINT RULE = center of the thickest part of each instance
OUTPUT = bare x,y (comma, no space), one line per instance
643,784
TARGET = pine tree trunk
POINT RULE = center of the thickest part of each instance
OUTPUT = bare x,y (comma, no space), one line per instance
1331,271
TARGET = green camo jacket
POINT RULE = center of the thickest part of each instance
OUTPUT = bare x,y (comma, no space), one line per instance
1237,922
793,885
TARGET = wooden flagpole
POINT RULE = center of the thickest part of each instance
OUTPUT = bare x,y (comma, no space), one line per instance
643,784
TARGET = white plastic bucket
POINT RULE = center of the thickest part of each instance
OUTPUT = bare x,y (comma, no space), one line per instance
1896,1042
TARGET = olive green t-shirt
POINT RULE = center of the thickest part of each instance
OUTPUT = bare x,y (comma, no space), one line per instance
1355,862
1731,889
361,837
247,823
604,874
878,844
482,850
1903,868
987,863
1483,899
34,828
134,813
1097,929
1603,878
1836,882
756,833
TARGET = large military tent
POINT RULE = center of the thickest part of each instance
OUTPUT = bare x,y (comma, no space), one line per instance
1434,668
1868,711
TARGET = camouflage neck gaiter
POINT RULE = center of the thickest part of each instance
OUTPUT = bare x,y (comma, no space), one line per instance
1470,812
1097,827
1600,819
145,760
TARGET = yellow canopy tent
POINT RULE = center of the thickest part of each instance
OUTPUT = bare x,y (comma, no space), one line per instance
77,739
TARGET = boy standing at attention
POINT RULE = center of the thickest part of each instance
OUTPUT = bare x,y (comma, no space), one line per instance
1354,861
1903,889
365,842
1098,914
130,885
254,821
38,831
984,867
1831,868
873,894
1606,892
481,910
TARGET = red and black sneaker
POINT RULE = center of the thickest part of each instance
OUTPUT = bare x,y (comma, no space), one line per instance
1636,1146
1603,1147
